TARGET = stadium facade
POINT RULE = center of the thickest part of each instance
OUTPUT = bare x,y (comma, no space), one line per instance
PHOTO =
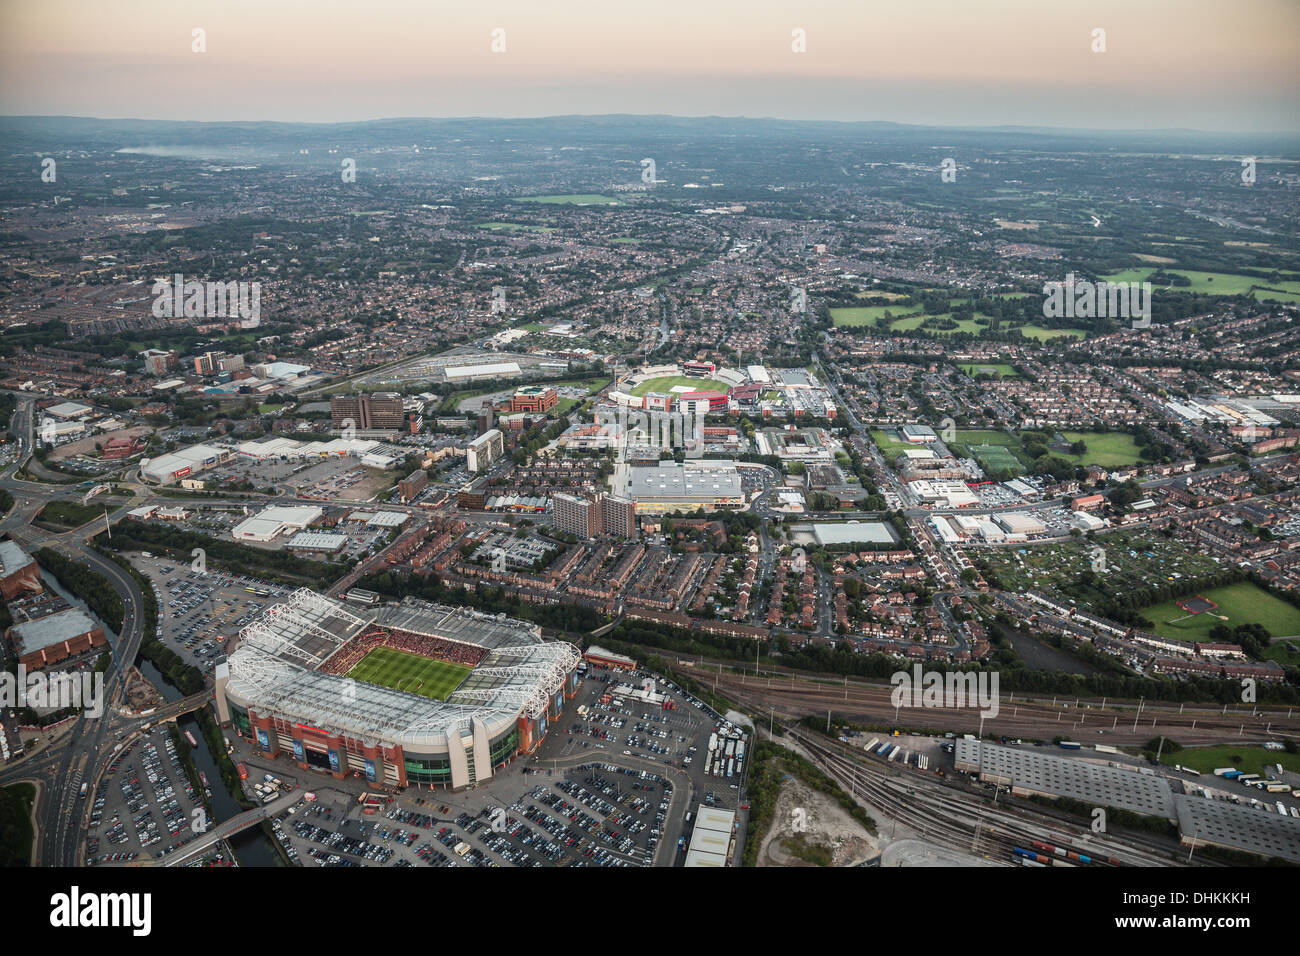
286,687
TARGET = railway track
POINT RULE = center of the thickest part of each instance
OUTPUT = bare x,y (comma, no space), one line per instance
1031,717
962,820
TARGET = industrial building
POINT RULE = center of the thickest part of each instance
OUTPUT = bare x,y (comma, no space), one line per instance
1234,826
713,841
840,533
287,688
1017,525
687,486
945,494
19,573
317,542
1028,772
275,520
180,464
47,640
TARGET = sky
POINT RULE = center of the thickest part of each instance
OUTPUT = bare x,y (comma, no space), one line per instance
1229,65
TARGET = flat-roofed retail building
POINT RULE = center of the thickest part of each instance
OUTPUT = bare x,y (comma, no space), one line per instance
56,637
680,487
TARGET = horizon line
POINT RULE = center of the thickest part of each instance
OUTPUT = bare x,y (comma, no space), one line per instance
671,116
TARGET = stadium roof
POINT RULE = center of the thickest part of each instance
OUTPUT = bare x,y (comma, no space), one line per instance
275,670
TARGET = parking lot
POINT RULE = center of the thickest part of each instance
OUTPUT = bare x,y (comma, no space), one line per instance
198,613
588,815
144,805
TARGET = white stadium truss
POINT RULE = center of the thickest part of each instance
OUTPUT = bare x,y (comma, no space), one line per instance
273,670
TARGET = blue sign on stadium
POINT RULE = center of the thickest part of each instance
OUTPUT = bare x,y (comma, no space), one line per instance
334,760
297,751
370,770
262,740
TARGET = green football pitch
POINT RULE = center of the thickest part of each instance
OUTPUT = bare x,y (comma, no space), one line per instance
409,672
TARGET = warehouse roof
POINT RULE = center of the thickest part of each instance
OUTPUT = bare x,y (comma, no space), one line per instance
52,629
1095,783
1240,827
12,557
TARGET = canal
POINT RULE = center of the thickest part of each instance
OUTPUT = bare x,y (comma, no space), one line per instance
252,847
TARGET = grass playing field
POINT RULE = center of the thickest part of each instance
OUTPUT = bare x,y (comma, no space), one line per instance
574,199
1105,449
988,368
1240,603
668,383
409,672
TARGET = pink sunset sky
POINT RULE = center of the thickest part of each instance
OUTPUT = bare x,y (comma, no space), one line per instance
1168,63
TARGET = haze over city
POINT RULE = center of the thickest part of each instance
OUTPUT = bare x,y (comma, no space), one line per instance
1166,63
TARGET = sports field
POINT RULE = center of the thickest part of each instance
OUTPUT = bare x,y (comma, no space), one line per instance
1286,288
1240,603
988,368
513,227
867,314
996,458
1105,449
670,382
409,672
890,445
574,199
1045,335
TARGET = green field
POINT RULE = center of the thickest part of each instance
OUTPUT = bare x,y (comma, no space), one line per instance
668,383
1105,449
574,199
1001,368
995,458
866,314
1217,283
914,323
890,446
1043,335
1245,759
1240,603
409,672
967,439
911,319
513,227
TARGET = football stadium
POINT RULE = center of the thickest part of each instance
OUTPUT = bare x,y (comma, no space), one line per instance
405,694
